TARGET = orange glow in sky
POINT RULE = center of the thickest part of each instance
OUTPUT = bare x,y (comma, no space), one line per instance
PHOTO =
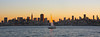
58,8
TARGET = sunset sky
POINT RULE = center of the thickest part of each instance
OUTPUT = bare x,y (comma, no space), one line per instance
58,8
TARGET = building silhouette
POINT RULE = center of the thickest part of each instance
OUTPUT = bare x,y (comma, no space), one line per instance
20,21
84,16
72,17
69,19
80,18
28,19
45,19
35,19
38,19
31,16
5,19
42,17
93,17
60,20
64,18
97,17
19,18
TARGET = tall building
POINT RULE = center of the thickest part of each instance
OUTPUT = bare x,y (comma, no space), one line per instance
93,17
68,19
53,20
31,16
2,21
38,19
97,17
5,19
72,17
19,18
75,18
84,16
28,18
35,19
64,18
45,19
80,18
60,20
42,17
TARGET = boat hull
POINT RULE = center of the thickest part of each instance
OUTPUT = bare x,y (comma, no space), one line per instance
52,27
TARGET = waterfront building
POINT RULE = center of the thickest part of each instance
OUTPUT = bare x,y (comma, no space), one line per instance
5,19
2,21
45,19
75,18
93,17
31,16
42,17
35,19
53,21
72,17
64,18
60,20
80,18
97,17
38,19
84,16
28,19
68,18
19,18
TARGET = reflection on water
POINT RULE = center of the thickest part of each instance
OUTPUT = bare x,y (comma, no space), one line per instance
43,31
51,33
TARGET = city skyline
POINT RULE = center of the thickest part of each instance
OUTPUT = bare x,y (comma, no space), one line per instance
42,18
31,17
58,8
42,21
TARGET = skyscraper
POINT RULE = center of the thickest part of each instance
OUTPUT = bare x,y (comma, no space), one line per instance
19,18
68,18
38,19
31,16
72,17
35,19
80,18
45,19
5,19
64,18
60,20
93,17
28,19
75,18
84,16
97,17
42,17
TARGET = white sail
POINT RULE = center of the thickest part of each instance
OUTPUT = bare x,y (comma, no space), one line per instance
52,21
52,25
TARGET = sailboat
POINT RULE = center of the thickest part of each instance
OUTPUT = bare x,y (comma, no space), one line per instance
52,25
